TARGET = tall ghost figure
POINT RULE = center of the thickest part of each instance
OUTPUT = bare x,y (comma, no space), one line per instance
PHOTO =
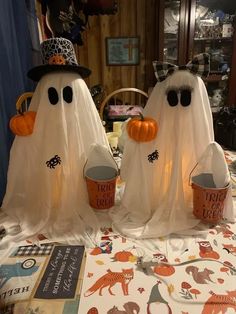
46,191
157,199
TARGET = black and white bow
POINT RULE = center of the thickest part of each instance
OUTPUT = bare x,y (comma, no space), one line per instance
200,65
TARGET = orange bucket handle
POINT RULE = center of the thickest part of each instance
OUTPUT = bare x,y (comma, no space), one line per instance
200,159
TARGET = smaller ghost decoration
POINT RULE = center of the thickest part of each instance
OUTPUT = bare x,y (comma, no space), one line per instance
157,199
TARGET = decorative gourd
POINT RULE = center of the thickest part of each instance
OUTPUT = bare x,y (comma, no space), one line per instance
142,129
23,123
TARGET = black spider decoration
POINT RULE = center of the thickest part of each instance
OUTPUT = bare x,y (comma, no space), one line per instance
53,162
153,156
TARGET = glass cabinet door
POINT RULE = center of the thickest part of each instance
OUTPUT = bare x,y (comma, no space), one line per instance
171,31
213,33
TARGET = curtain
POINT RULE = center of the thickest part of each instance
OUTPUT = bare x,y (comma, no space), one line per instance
18,43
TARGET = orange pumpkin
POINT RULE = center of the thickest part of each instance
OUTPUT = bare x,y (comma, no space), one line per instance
142,129
23,123
164,270
57,59
122,256
97,250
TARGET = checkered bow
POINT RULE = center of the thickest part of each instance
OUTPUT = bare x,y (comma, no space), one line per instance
200,65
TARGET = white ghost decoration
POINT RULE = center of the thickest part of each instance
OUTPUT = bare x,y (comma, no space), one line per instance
46,191
157,199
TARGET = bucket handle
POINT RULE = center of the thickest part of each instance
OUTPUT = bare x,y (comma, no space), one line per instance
117,168
189,178
200,159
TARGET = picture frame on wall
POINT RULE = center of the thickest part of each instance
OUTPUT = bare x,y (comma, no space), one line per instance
122,50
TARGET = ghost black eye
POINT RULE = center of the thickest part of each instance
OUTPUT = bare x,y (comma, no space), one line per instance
172,98
185,98
67,94
53,96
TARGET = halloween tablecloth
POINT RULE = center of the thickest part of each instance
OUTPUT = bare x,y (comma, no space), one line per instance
199,275
123,276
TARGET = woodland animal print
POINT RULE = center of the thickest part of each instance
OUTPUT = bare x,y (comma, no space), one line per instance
200,277
162,269
206,250
224,229
110,279
220,303
130,308
230,248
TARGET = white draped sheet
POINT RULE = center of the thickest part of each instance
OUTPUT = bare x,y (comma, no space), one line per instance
54,201
157,199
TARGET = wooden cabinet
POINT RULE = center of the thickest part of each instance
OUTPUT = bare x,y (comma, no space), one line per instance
168,30
190,27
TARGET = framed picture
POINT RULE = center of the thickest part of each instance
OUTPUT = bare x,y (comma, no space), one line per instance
122,50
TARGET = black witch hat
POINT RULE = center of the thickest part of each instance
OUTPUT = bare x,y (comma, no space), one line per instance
58,54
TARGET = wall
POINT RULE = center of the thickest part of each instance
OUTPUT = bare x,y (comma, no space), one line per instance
134,18
17,35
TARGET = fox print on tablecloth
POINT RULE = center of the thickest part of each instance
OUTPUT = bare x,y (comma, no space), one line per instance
110,279
220,303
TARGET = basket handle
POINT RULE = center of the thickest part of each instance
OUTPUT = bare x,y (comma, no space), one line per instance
23,97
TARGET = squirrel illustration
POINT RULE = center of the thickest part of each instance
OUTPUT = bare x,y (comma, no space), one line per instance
200,277
130,308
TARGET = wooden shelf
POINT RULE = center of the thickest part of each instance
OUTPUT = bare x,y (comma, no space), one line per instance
214,77
166,40
229,39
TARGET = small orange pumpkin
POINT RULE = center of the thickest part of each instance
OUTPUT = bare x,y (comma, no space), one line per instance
164,270
122,256
142,129
57,59
23,123
97,250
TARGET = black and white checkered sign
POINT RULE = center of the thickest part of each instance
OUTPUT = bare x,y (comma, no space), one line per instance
41,250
